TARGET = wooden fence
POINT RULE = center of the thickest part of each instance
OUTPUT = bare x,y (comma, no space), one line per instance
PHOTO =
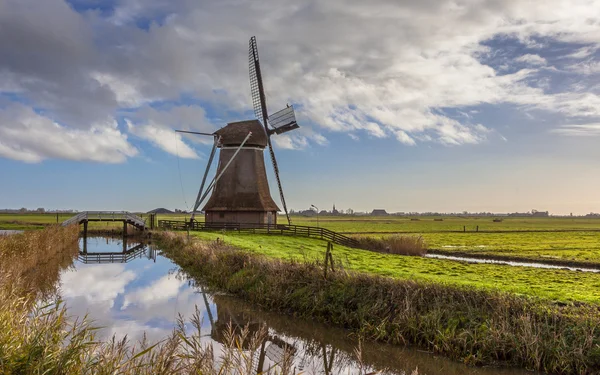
280,229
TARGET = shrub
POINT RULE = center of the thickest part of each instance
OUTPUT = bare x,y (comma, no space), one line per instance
395,244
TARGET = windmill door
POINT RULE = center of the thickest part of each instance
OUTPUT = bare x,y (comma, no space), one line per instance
269,218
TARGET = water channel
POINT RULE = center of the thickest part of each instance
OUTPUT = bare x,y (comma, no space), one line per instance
130,288
513,263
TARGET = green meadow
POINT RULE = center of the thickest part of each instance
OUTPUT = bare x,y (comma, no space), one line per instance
424,224
555,285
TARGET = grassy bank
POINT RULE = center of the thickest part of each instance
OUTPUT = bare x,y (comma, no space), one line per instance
554,285
474,325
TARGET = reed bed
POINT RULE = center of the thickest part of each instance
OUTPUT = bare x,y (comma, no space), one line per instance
395,244
34,259
476,326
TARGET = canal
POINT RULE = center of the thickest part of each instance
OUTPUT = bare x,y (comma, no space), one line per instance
130,288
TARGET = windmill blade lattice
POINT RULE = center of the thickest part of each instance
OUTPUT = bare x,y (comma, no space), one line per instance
260,111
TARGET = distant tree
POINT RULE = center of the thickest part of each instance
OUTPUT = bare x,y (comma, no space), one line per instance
41,210
23,210
349,211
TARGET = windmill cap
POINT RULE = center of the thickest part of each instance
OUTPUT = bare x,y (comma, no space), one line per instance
234,133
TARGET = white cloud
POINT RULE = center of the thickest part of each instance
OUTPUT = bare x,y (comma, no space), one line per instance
583,52
532,59
586,67
582,130
163,137
28,136
380,68
159,291
405,138
99,286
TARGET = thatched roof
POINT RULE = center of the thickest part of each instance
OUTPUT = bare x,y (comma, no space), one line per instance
244,185
234,133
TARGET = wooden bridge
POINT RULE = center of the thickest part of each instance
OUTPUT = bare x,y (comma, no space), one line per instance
127,255
123,216
281,229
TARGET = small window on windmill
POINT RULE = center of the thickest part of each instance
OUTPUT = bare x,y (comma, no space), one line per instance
222,215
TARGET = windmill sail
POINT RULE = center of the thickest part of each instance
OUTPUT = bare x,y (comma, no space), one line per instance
260,110
256,86
283,121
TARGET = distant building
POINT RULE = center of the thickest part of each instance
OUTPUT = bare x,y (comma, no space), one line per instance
334,211
379,212
536,213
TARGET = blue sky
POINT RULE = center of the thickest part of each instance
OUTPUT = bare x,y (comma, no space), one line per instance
428,106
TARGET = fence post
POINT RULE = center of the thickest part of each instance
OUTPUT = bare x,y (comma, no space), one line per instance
478,228
464,228
328,259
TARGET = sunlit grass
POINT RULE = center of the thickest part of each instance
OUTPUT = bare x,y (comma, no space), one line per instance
542,283
477,323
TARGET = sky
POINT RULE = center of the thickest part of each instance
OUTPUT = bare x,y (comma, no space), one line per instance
429,105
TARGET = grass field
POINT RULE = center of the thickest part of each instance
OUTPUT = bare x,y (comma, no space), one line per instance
395,224
559,285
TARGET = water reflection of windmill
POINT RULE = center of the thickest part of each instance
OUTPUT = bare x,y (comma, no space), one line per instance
126,255
272,347
240,190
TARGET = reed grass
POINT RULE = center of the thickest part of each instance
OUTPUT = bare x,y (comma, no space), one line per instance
395,244
475,326
34,259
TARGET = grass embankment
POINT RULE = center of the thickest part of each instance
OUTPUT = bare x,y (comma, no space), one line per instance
554,285
38,338
475,325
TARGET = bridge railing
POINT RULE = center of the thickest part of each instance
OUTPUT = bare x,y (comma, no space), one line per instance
105,216
281,229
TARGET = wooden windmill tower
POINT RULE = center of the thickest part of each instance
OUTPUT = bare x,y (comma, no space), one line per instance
240,190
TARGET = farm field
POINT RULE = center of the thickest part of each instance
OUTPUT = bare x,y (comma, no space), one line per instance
583,247
556,285
402,224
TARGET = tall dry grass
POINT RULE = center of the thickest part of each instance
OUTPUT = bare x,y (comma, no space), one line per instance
395,244
33,259
476,326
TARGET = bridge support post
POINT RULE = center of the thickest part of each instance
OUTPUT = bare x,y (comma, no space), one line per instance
124,228
85,225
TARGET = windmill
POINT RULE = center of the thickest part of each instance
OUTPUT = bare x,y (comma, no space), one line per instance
240,190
